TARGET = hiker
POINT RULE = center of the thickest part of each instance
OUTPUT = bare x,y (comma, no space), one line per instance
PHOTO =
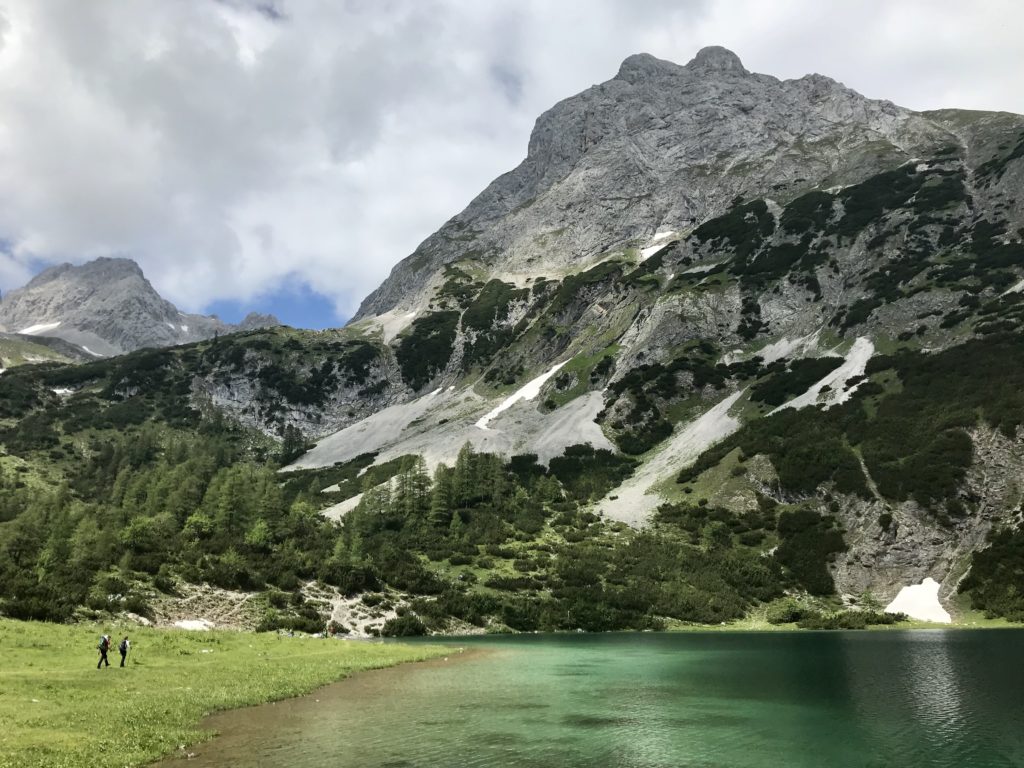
123,648
103,647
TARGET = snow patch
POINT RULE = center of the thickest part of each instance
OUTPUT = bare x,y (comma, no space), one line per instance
854,365
786,347
63,391
700,268
40,328
528,391
1015,288
196,625
184,328
89,351
920,601
656,243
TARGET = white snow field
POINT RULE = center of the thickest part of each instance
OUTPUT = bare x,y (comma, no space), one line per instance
32,330
528,391
656,243
1015,288
197,625
920,601
786,347
854,365
634,500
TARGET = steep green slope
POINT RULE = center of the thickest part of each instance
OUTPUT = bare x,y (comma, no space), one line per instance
124,478
108,500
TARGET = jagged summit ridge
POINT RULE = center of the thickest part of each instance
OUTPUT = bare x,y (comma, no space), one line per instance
100,269
710,61
660,146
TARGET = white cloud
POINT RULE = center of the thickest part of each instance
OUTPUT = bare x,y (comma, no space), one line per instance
230,145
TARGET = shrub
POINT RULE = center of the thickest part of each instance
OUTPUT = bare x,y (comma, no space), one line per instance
408,625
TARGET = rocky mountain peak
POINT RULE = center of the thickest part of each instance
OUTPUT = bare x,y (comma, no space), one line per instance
99,270
715,58
660,147
643,66
107,307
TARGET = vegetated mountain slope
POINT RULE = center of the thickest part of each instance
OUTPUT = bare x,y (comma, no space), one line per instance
811,384
106,307
122,490
770,276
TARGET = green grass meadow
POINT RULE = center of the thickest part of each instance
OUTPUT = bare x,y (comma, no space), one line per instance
56,709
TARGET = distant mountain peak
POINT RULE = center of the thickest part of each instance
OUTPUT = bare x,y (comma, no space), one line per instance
107,306
102,268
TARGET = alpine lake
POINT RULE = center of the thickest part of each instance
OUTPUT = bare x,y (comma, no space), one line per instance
743,700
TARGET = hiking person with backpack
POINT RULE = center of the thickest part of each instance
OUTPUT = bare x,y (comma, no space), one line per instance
103,647
123,648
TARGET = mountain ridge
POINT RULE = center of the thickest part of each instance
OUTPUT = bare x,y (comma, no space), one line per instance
107,307
721,346
710,116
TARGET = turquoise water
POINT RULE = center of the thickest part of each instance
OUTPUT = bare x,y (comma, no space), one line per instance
924,698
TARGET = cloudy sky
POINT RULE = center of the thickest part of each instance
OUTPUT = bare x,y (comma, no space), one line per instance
282,155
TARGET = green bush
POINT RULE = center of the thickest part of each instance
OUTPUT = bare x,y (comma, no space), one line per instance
408,625
425,350
808,542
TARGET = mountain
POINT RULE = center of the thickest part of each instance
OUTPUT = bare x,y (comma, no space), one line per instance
690,248
21,349
722,346
106,307
661,147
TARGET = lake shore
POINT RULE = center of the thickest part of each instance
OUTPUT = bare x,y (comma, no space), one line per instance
59,710
237,729
845,698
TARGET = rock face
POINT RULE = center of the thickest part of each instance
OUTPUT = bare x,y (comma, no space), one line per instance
661,147
686,246
107,307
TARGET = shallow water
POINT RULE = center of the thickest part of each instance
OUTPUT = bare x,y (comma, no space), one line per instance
925,698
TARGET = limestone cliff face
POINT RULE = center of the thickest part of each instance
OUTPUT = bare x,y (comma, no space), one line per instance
662,147
108,307
680,240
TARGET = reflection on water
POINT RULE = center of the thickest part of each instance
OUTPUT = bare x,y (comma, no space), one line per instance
644,700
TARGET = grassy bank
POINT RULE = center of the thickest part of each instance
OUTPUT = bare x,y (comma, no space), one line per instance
58,710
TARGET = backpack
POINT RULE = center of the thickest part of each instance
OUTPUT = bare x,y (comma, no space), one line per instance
104,644
123,647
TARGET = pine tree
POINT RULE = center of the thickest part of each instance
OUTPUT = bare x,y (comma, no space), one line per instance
462,477
441,498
